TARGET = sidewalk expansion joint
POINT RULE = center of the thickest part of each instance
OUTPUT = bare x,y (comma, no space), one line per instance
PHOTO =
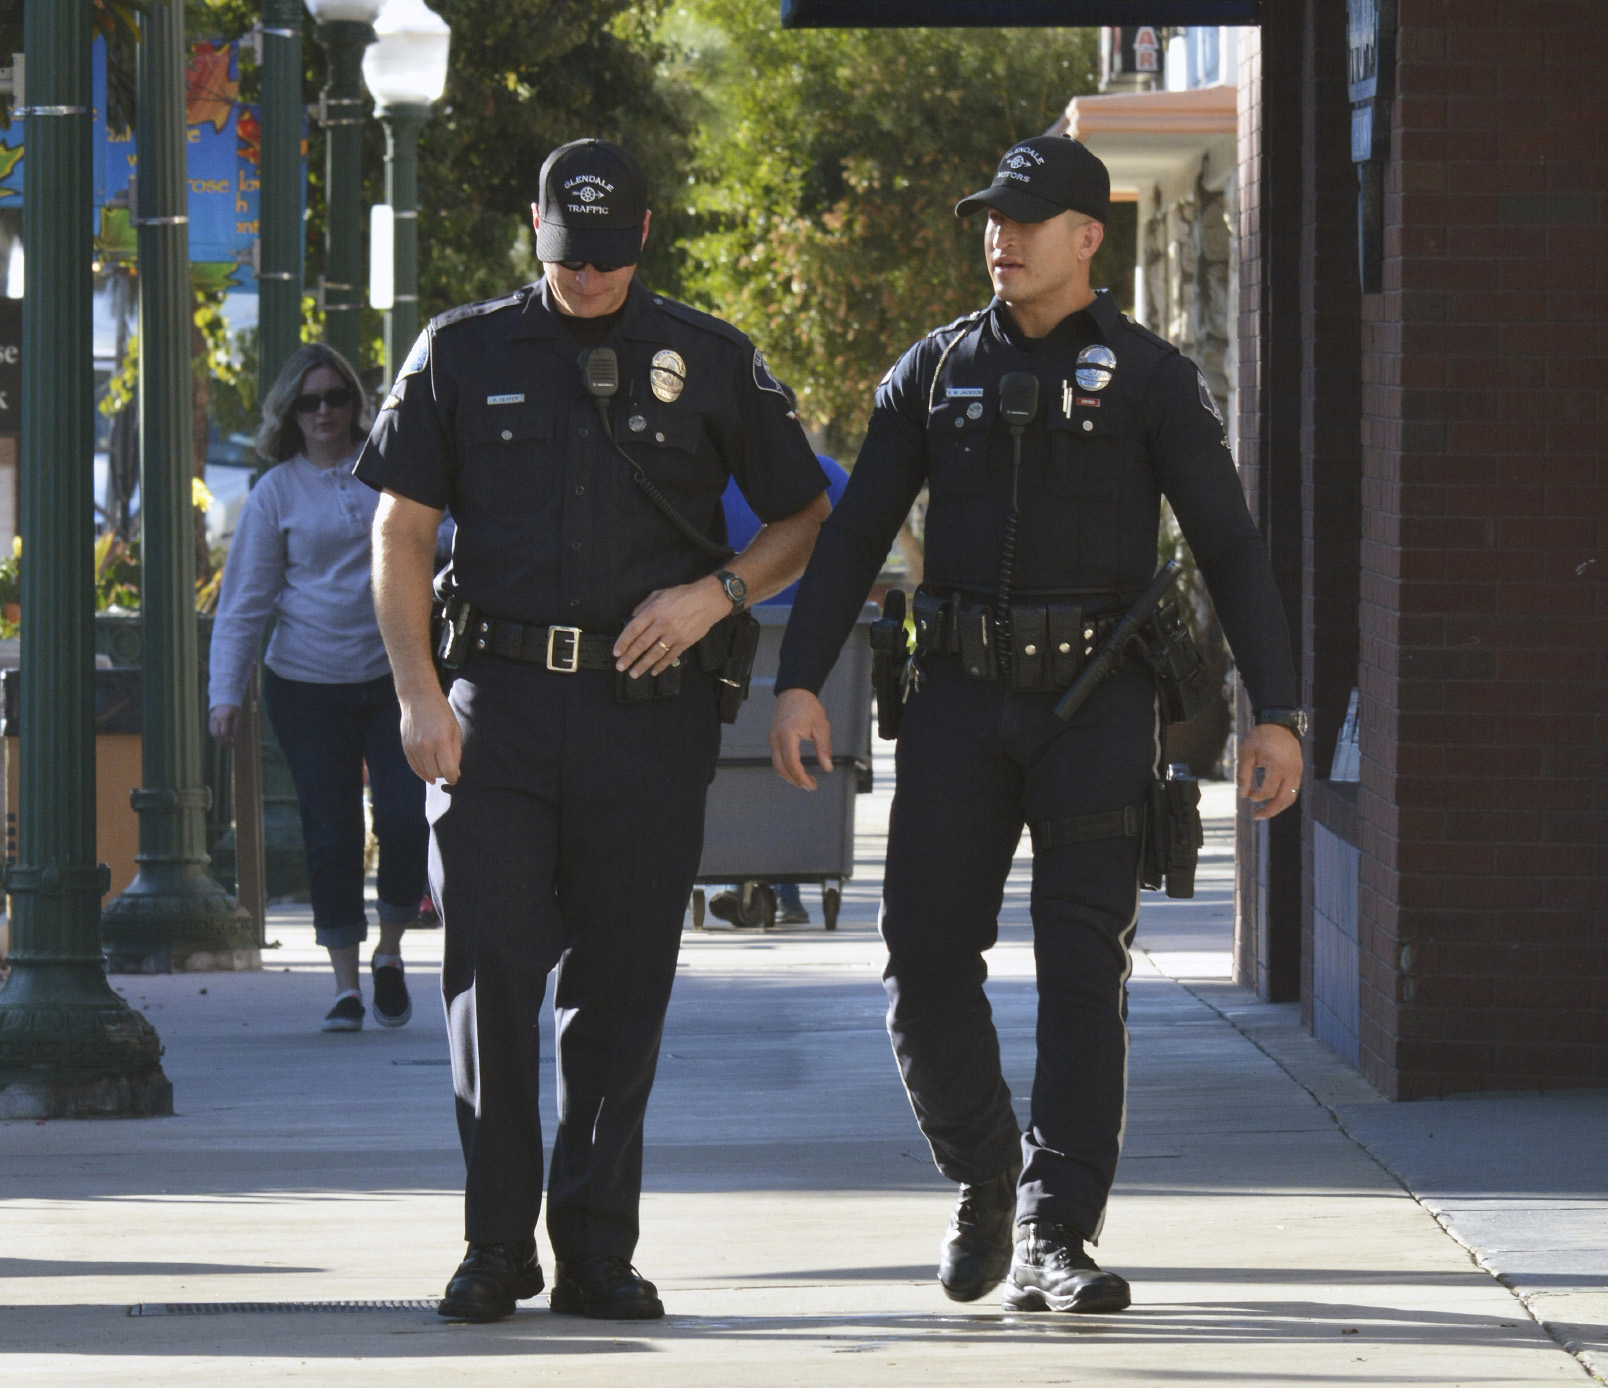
1565,1342
271,1308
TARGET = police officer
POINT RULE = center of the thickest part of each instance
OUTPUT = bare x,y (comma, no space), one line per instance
1028,564
568,763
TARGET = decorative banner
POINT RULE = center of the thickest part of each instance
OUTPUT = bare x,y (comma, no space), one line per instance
224,156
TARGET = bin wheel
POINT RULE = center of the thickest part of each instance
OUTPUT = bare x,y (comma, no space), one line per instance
762,906
697,908
831,899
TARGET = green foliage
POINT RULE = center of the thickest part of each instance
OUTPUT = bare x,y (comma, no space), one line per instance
827,166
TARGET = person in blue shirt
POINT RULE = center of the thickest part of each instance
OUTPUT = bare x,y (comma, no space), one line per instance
741,527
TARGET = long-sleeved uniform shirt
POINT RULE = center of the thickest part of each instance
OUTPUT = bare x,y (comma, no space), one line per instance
1106,444
301,554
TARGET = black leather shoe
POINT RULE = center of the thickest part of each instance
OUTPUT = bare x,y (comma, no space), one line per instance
1052,1272
490,1279
976,1252
605,1287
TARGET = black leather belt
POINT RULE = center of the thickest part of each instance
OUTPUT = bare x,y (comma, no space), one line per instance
1050,638
563,650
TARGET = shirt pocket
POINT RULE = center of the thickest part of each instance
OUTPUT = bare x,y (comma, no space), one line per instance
670,448
509,455
1086,456
957,443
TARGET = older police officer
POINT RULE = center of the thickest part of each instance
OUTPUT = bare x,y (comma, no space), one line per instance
569,762
1027,564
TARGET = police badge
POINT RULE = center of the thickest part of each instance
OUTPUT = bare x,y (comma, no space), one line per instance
668,375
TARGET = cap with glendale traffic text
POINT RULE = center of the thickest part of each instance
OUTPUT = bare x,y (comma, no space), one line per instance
593,200
1044,177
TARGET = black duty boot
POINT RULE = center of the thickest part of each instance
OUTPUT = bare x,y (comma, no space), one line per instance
976,1252
1051,1272
605,1287
490,1279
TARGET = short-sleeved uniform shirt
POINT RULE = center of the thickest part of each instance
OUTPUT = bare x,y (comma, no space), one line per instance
1103,448
490,419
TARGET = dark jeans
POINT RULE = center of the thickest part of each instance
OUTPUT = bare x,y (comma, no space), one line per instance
975,762
328,732
570,841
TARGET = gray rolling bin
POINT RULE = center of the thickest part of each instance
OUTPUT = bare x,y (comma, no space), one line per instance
760,830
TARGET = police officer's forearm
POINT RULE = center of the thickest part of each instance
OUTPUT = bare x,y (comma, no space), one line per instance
779,553
404,561
841,571
1246,596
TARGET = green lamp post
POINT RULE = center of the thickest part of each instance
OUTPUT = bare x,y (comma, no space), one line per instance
279,275
346,28
172,915
68,1044
406,72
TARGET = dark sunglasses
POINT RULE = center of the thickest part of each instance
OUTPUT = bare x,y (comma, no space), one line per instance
337,399
576,266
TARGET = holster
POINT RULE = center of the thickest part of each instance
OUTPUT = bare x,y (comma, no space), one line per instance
727,652
890,657
1181,674
974,630
450,621
1173,833
665,685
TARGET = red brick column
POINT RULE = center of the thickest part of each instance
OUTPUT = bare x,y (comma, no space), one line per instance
1483,905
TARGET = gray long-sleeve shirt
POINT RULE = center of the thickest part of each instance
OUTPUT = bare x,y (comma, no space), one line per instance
301,553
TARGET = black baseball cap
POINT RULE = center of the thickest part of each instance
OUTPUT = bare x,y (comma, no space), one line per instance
592,202
1044,177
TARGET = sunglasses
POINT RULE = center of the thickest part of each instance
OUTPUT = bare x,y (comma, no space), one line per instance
576,266
337,399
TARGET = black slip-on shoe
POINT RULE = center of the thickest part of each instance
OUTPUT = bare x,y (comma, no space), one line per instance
346,1015
976,1251
490,1280
392,1005
605,1287
1051,1271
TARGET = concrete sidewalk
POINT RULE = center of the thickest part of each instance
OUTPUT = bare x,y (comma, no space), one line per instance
793,1214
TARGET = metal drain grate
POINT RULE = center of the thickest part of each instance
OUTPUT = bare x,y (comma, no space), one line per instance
269,1308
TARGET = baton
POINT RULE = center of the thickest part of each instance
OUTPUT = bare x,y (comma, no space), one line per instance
1104,660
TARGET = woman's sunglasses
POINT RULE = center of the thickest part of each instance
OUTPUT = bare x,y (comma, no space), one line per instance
576,266
337,399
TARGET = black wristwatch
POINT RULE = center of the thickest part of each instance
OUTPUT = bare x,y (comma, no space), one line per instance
735,589
1295,719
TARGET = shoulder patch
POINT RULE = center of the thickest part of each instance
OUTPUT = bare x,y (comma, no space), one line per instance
418,356
485,306
763,377
1207,399
697,318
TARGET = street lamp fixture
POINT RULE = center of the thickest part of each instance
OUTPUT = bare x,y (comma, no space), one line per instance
406,70
346,28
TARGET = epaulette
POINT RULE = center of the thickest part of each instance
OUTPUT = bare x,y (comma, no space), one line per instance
485,306
699,319
960,324
1144,333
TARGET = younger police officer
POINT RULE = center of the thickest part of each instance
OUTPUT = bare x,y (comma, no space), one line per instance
1025,568
569,763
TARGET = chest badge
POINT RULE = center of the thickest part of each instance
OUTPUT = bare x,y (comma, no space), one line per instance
1095,367
636,424
974,410
668,375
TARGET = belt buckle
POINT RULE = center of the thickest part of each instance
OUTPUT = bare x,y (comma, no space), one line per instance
567,664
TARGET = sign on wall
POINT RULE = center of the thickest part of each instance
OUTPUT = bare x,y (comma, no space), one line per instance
1371,80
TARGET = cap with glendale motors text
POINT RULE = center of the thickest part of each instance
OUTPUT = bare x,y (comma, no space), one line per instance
593,200
1044,177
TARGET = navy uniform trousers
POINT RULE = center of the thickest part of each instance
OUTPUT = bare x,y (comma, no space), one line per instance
975,762
570,840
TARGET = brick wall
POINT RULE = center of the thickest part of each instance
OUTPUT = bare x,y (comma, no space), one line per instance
1483,901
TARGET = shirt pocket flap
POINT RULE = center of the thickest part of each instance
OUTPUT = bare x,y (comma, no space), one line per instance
1095,421
676,429
512,423
958,415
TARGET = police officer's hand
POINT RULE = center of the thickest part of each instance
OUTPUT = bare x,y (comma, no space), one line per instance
799,718
431,737
224,723
1274,751
667,623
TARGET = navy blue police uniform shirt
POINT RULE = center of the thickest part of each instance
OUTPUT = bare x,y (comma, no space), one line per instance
1095,466
489,418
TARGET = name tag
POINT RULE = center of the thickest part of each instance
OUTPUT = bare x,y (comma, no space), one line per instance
505,399
963,392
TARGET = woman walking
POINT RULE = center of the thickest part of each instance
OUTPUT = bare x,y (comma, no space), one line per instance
301,555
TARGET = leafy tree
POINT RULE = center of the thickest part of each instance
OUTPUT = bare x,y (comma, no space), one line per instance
827,165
